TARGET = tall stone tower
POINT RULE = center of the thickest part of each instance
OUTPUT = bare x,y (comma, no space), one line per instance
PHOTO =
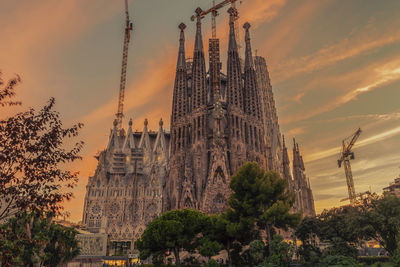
216,123
273,135
302,188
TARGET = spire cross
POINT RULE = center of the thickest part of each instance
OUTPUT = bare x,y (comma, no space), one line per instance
198,12
182,26
232,12
247,26
249,57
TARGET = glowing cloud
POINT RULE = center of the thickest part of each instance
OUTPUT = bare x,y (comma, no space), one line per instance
370,140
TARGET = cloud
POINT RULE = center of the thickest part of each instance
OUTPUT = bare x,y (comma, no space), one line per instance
364,142
288,32
296,131
367,79
257,12
143,90
360,44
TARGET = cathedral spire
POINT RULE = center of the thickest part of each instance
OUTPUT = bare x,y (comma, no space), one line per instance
181,65
286,164
180,102
198,45
249,56
232,38
251,95
305,200
234,76
113,142
199,91
145,139
129,140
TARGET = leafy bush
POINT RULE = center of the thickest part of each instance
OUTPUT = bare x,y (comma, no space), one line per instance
211,263
370,260
383,264
339,261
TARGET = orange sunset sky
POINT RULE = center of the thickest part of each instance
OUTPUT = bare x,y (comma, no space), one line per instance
334,66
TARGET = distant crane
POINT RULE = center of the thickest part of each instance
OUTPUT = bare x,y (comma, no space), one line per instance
345,157
127,37
360,195
214,12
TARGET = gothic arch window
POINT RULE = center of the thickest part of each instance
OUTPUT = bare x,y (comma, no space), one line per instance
219,199
98,183
188,203
116,183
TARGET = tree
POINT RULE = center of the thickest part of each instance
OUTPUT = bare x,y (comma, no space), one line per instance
7,91
43,243
383,216
256,252
308,230
209,248
339,261
174,230
31,154
230,230
33,181
263,196
344,228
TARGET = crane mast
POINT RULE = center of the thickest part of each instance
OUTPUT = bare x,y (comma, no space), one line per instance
345,158
127,36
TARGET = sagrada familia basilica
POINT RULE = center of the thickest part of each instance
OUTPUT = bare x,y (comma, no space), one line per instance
219,121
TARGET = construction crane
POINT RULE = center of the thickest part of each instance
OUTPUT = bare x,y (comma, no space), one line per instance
214,13
127,37
345,158
359,195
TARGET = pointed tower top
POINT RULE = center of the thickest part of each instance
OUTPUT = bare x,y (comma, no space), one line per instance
198,12
181,65
113,142
283,141
198,46
161,123
146,122
249,57
129,141
182,26
232,37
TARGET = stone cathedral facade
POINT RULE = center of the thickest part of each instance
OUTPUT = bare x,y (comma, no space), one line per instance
125,193
219,121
